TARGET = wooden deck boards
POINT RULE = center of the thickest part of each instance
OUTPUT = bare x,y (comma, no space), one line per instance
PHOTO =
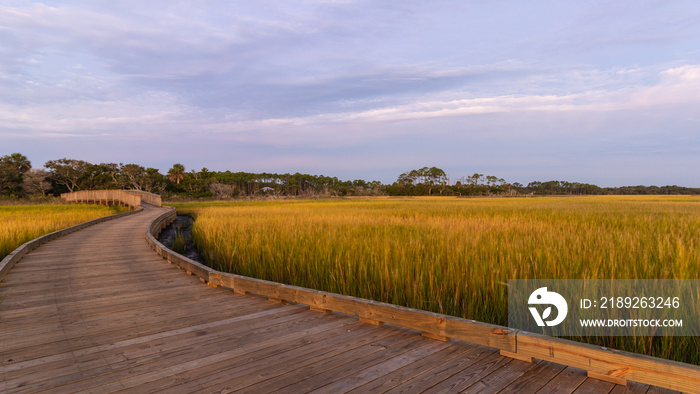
99,311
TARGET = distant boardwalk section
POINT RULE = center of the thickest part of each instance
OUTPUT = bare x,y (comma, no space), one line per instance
130,198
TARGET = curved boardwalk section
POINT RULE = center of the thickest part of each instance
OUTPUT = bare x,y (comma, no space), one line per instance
99,311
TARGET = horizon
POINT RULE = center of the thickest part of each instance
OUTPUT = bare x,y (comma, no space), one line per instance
450,179
597,93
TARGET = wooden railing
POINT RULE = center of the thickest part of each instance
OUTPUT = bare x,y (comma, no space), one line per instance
130,198
601,363
110,197
151,198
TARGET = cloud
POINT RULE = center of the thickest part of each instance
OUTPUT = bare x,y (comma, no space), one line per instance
676,85
91,117
312,76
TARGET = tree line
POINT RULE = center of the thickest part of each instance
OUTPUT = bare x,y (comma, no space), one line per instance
19,179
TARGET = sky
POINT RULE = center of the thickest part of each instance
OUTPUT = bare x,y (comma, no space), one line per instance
585,91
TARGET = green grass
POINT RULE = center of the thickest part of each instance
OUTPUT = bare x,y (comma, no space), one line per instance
22,223
455,256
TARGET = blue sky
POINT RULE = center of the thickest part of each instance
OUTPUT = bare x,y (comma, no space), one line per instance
579,91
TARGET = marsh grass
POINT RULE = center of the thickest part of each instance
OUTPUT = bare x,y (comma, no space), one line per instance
455,256
22,223
179,244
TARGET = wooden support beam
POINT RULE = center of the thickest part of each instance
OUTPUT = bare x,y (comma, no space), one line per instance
517,356
607,378
434,336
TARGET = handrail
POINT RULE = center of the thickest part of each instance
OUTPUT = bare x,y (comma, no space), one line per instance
601,363
151,198
112,197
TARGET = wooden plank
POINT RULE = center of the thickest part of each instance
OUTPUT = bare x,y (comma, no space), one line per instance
534,379
79,330
388,364
287,374
625,365
457,375
142,338
21,302
423,366
121,279
631,388
265,364
61,344
352,362
594,386
504,376
96,306
89,294
53,370
155,355
91,310
65,274
143,373
43,278
565,381
660,390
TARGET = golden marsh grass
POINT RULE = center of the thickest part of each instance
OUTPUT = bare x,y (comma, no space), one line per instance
453,255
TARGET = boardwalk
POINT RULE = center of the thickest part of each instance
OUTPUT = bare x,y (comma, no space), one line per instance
73,317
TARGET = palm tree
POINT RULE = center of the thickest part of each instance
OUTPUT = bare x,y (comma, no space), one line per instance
176,173
12,167
20,162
